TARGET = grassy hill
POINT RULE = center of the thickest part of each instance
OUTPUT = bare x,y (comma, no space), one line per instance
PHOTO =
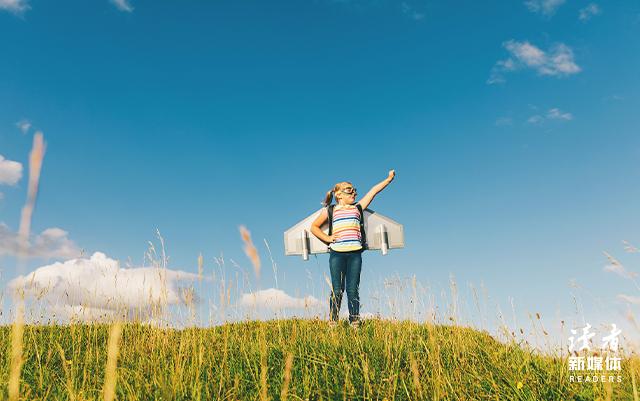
295,359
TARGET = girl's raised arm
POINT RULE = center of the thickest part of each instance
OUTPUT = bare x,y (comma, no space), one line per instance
366,200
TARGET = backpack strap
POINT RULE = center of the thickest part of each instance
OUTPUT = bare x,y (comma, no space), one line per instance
330,215
363,234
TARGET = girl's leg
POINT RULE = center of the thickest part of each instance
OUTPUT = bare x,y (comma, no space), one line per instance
354,265
337,267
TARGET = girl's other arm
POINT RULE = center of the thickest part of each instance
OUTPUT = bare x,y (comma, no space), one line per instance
317,231
366,200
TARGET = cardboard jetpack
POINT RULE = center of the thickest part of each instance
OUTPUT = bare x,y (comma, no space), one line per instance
382,233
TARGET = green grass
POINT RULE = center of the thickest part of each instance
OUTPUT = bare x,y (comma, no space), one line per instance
246,361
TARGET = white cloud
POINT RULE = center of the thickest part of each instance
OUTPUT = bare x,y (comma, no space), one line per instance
24,125
98,288
497,76
537,119
552,114
557,114
123,5
558,61
544,7
526,53
589,11
272,302
52,243
344,313
10,171
276,299
14,6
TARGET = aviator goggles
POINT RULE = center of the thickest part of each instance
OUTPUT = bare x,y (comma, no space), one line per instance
349,191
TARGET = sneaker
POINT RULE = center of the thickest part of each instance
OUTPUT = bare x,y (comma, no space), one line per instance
355,324
332,323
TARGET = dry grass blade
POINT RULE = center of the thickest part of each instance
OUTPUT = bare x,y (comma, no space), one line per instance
617,267
35,165
250,249
415,374
264,390
109,389
200,267
634,372
16,355
328,281
287,377
630,248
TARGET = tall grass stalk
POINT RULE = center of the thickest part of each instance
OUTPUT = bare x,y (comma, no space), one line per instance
110,376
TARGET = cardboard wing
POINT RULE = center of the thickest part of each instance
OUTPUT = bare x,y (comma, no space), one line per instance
382,232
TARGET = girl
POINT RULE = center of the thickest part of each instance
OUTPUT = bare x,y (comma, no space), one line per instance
345,245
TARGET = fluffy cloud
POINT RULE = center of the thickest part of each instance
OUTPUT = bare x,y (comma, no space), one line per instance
276,299
10,171
14,6
123,5
589,11
98,288
52,243
270,303
557,114
544,7
552,114
526,53
537,119
558,61
344,314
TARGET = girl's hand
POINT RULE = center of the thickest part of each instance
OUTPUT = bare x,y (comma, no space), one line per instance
366,200
392,174
331,238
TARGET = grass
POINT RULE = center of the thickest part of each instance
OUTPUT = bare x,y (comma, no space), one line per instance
293,359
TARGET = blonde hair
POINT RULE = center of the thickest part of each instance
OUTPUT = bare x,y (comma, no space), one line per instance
331,193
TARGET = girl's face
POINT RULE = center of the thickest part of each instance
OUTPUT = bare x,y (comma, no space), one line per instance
347,193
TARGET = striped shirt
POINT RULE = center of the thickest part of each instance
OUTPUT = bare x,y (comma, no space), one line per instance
346,229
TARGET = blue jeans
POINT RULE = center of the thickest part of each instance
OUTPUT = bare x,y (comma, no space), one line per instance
345,267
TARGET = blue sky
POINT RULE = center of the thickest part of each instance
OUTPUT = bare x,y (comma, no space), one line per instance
512,126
